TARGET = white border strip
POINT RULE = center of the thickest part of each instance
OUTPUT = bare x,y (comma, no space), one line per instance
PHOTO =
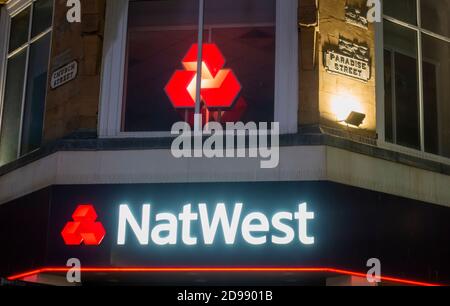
297,163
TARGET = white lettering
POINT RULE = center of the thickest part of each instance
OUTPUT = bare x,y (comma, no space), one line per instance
142,232
255,227
287,230
248,227
186,217
220,216
303,216
170,227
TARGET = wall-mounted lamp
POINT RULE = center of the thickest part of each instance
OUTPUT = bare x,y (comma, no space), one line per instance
355,118
348,110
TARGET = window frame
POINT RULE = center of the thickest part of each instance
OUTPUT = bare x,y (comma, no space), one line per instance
113,71
380,89
8,11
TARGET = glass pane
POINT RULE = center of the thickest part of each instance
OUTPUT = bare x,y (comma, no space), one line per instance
406,101
388,91
244,32
404,10
19,29
159,35
35,95
436,76
42,16
435,16
12,108
402,42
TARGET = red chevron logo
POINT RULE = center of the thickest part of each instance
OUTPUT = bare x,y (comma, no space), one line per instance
84,227
219,87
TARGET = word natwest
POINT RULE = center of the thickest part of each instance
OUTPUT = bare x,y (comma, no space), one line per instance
255,227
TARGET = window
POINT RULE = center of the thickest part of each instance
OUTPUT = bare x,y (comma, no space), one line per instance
25,81
243,31
417,74
249,64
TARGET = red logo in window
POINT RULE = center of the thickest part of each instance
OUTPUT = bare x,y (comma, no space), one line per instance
219,88
84,227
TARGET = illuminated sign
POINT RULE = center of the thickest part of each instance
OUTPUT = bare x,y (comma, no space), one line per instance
255,227
163,228
263,225
219,87
83,228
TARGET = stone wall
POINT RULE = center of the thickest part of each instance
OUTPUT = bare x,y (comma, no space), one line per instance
339,93
74,106
308,74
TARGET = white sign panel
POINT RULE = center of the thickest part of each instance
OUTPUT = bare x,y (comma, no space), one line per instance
64,75
346,65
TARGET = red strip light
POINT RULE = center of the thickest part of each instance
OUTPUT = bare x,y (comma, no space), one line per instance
214,269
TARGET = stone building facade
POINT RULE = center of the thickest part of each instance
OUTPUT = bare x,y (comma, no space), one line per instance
332,84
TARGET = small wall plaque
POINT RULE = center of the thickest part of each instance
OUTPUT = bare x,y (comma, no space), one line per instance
64,75
356,16
349,59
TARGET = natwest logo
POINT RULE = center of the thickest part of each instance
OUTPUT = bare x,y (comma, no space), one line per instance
219,86
84,228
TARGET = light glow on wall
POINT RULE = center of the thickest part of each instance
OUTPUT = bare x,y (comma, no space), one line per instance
342,105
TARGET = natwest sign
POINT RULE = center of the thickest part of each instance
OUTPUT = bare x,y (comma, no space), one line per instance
246,224
255,228
199,226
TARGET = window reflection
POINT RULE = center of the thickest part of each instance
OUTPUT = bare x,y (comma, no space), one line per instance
160,33
435,16
436,76
401,82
